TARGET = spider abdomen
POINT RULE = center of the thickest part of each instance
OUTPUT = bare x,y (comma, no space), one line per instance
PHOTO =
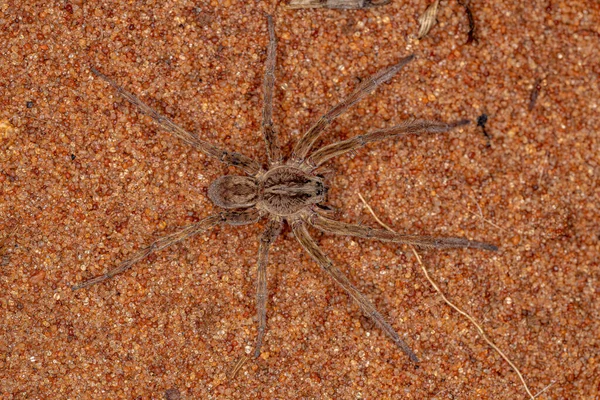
233,191
286,190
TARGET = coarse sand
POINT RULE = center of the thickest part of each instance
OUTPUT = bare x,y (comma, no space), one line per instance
86,181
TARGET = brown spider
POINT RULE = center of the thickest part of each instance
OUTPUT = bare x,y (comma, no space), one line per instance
290,191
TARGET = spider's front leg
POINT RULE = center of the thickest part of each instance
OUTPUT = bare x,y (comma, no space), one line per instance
304,145
312,248
319,157
233,158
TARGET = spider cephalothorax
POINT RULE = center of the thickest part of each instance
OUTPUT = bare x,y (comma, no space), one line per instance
287,190
291,191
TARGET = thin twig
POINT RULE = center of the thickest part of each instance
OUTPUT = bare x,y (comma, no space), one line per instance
480,215
544,389
479,208
238,365
373,213
471,319
479,328
486,220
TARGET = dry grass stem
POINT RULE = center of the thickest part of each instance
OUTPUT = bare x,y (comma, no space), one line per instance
472,320
480,215
428,19
544,389
466,315
486,220
339,4
238,365
380,222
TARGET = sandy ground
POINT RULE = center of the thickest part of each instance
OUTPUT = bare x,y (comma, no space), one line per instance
86,181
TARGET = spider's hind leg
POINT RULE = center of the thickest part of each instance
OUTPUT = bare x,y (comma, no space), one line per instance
313,249
266,240
341,228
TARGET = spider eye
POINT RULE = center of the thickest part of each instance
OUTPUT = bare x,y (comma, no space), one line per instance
321,189
232,191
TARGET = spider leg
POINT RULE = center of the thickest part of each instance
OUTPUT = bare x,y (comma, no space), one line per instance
250,166
266,240
229,217
371,3
343,4
304,145
316,159
341,228
269,132
311,247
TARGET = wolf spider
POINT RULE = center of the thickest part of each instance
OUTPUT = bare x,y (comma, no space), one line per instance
290,191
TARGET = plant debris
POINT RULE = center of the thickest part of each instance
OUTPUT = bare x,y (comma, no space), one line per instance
428,19
471,34
343,4
472,320
481,121
535,92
